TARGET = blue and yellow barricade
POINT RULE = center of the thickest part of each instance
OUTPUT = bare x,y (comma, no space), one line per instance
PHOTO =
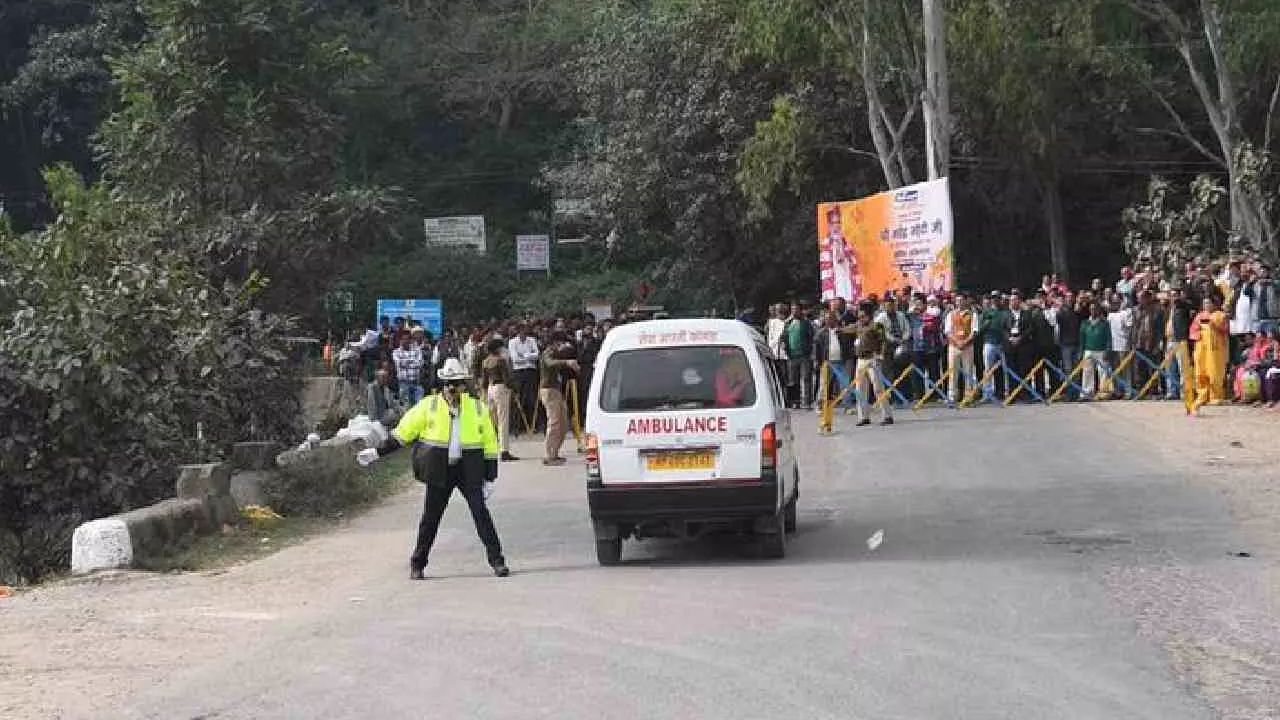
1110,384
893,387
980,388
1068,381
1157,372
1024,383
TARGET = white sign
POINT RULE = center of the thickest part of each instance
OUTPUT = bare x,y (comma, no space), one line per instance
533,252
600,309
466,231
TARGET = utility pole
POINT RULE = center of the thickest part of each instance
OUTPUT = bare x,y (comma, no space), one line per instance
937,93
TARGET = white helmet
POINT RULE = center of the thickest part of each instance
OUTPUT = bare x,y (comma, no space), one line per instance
453,370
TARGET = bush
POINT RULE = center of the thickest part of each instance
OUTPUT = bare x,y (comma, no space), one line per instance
315,487
116,353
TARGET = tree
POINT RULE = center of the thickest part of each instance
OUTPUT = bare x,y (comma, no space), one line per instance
115,352
55,88
227,125
1225,48
876,46
1030,82
665,115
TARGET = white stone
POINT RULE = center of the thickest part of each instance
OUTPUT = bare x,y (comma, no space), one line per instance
101,544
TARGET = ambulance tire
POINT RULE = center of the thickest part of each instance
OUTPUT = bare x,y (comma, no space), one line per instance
773,545
609,552
789,518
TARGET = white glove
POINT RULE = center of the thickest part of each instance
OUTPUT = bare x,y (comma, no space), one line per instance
489,487
367,457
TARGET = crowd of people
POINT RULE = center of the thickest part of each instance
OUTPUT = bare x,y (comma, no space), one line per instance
1209,336
530,372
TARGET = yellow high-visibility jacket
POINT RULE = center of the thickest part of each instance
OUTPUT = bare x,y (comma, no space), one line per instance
428,427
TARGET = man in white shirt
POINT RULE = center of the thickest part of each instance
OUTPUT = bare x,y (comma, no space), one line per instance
1121,318
408,360
775,331
524,364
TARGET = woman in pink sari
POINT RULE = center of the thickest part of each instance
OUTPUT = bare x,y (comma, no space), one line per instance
1264,359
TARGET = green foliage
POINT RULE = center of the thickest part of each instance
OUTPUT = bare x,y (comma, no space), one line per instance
472,286
1174,227
775,156
114,348
54,90
550,297
316,489
227,124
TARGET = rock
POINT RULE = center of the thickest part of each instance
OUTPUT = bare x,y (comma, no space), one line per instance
200,481
246,487
101,544
254,455
330,397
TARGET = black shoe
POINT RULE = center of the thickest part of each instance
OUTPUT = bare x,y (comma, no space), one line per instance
863,423
887,421
415,573
508,457
500,569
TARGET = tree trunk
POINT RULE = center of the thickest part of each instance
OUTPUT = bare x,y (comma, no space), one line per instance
507,108
876,112
1055,225
937,95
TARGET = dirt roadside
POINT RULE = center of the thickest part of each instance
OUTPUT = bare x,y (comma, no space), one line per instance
1219,621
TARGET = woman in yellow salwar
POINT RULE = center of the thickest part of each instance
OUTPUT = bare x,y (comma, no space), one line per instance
1211,355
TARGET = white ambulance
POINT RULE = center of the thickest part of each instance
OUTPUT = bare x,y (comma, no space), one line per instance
688,431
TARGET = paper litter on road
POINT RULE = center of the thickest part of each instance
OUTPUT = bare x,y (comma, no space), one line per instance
874,541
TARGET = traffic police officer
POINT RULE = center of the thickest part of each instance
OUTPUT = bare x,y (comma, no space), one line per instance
455,446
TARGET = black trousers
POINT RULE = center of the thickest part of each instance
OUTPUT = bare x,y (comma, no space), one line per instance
1025,357
437,499
527,396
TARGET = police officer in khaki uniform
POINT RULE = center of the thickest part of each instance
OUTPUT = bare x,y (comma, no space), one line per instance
455,446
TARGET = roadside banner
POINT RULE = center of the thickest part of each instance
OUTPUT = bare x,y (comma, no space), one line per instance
533,252
887,241
430,313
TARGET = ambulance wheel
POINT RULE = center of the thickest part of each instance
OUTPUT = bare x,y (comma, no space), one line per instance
773,544
609,552
789,515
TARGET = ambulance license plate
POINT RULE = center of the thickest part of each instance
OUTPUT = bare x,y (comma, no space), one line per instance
678,461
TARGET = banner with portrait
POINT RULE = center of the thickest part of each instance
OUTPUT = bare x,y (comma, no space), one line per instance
879,244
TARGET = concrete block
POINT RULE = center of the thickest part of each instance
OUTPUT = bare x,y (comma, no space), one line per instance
348,443
155,528
254,455
292,457
200,481
101,545
246,487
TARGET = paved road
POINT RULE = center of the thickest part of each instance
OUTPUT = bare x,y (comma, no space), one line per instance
1015,545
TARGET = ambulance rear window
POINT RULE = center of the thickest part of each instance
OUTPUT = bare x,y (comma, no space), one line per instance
678,378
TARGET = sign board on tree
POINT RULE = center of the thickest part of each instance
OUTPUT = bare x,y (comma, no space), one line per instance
428,313
533,252
466,231
599,308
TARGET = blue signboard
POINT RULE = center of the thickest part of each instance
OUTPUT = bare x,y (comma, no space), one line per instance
430,313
